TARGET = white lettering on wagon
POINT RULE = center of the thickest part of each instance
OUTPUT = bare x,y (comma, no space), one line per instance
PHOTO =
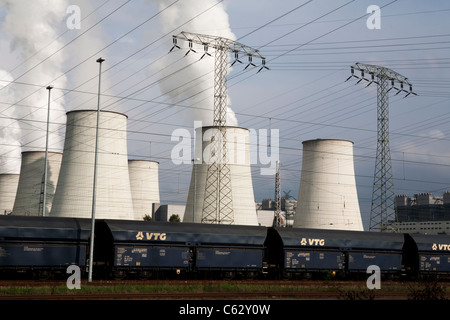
151,236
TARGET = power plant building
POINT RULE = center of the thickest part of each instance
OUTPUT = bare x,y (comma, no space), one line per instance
424,213
241,180
144,185
422,207
30,193
327,197
8,191
74,195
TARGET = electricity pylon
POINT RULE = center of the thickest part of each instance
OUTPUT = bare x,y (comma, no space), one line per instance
277,217
218,201
383,207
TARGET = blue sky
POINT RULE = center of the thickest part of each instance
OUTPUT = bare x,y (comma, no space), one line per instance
303,95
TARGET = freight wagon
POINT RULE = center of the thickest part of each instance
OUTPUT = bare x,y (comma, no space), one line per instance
310,252
158,249
428,254
42,247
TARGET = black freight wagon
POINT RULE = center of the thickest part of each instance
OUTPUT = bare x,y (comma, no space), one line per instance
162,249
229,251
429,254
382,249
42,246
312,251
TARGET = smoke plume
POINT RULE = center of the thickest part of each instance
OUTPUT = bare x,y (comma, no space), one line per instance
188,80
9,127
30,28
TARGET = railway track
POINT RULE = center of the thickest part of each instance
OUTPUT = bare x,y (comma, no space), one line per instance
201,296
210,290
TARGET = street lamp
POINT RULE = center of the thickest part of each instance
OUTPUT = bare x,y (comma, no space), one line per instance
94,189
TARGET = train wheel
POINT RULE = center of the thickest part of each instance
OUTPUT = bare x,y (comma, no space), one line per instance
144,275
119,275
286,275
44,275
228,275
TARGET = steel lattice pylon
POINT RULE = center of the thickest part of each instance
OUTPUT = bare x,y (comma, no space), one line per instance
383,209
277,216
218,201
383,195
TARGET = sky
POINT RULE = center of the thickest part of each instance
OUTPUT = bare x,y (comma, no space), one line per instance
308,47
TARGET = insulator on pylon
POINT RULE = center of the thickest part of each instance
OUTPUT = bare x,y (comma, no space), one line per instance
174,40
263,61
190,47
250,62
236,58
205,48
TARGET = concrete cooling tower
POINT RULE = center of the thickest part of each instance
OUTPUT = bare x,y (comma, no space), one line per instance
144,186
73,197
327,198
8,191
29,198
241,180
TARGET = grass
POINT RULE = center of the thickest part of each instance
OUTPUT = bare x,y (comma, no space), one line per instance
343,291
154,288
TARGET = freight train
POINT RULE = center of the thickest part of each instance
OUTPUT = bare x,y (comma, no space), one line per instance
43,247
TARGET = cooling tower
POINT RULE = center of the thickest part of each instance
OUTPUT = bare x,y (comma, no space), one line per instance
327,198
73,197
30,197
8,191
144,186
241,181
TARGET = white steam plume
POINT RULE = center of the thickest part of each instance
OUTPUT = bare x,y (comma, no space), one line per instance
195,83
9,128
88,47
31,28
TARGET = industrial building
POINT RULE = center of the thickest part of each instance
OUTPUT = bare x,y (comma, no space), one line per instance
163,212
423,207
74,194
30,192
265,210
8,191
241,179
144,185
126,189
327,197
423,213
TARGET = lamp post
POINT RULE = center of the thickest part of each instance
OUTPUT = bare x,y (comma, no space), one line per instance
44,200
94,189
